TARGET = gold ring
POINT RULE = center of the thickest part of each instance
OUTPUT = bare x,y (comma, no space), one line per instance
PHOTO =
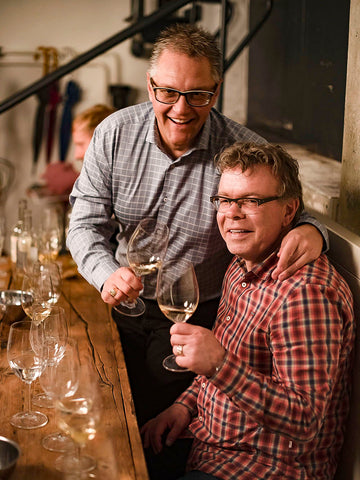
112,292
179,350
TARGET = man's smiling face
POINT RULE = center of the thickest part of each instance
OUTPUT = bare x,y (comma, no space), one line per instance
179,124
254,237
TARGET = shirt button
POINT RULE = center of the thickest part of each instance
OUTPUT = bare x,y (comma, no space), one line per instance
203,385
165,199
200,419
244,284
228,318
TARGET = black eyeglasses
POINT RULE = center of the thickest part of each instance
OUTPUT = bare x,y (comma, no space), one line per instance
249,206
169,96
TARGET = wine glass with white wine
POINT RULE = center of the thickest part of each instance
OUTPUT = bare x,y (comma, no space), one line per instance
177,294
145,252
79,416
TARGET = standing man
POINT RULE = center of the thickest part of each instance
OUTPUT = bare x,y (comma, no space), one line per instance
271,396
156,160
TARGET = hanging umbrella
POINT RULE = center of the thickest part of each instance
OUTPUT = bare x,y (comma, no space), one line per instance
43,98
53,101
72,96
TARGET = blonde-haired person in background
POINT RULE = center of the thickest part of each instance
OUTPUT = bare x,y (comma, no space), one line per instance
60,176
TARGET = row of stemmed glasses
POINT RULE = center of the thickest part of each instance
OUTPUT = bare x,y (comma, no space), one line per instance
42,349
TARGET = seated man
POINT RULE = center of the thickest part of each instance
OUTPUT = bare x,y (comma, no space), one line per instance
271,395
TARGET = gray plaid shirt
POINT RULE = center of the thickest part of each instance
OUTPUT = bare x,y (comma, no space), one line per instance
127,175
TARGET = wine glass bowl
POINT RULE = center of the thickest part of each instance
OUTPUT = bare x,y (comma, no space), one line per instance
40,287
145,252
177,295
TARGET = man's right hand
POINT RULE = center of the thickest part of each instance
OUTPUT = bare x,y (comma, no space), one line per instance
122,285
174,419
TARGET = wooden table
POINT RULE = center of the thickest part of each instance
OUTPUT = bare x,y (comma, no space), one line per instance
117,446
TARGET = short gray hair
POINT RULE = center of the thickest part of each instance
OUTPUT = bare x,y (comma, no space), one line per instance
190,40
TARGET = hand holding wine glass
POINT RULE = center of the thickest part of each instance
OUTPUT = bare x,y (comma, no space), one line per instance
145,252
178,297
28,365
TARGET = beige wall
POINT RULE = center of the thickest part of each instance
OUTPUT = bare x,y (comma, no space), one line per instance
74,27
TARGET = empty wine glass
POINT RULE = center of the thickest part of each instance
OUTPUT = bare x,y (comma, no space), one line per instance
27,365
49,333
145,252
79,416
60,380
177,294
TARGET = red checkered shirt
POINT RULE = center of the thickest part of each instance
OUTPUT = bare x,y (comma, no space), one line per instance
277,406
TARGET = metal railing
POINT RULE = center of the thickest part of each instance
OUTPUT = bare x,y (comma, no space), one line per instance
142,24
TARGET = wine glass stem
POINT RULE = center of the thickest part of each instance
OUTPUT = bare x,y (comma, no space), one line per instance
28,397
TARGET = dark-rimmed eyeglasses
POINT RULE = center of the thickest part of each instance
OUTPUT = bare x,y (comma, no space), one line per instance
169,96
248,206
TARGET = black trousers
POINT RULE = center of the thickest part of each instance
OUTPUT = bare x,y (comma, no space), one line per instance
146,342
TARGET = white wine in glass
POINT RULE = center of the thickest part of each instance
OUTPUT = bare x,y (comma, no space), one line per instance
145,252
177,295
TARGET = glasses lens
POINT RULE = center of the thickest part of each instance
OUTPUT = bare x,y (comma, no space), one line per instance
165,95
198,99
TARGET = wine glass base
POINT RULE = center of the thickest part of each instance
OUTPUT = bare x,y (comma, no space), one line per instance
71,464
134,309
29,420
170,364
57,442
42,400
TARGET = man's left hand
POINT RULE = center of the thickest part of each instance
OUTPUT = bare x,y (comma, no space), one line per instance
300,246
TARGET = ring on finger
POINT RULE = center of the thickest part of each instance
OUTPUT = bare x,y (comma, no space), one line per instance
112,292
179,350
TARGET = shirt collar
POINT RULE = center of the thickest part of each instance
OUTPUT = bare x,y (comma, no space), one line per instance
201,142
263,269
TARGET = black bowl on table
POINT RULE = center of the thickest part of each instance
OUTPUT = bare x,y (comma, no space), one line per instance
9,454
10,305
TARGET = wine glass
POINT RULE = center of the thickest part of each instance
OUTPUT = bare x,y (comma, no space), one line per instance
50,235
145,251
59,380
177,294
79,416
40,287
49,333
27,365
